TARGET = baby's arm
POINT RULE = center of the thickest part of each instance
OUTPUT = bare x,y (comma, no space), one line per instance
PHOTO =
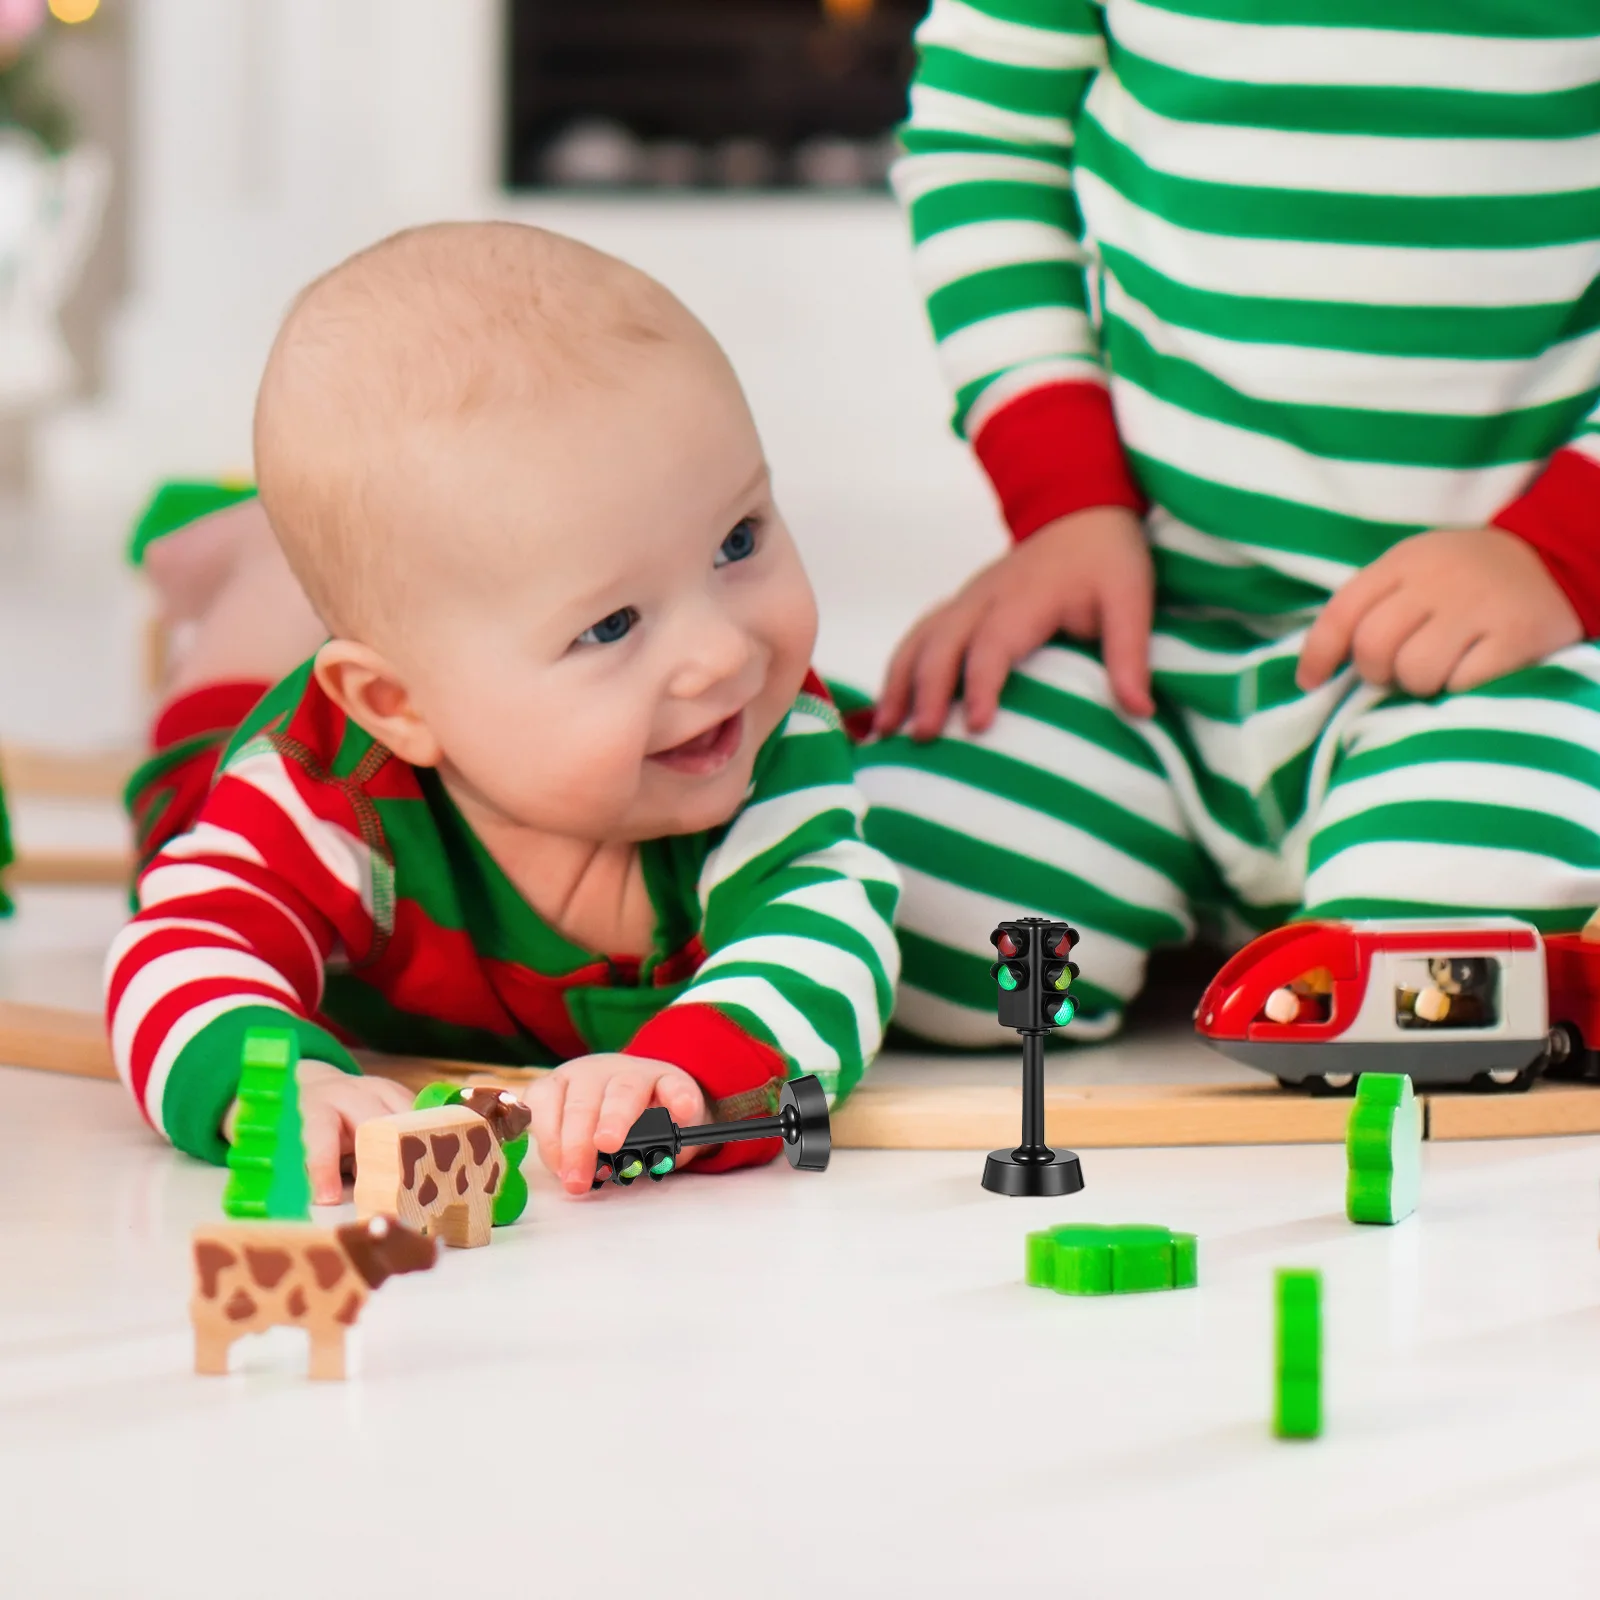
236,919
797,924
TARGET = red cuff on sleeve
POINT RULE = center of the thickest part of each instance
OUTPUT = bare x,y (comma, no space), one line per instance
723,1059
1055,450
1559,515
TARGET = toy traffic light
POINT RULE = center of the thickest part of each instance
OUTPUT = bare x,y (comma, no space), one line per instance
1034,973
1033,978
655,1141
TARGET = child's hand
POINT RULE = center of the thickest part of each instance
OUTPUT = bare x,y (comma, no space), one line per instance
1088,574
589,1104
1449,609
333,1104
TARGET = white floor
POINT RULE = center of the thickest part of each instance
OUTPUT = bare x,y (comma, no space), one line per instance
780,1384
772,1384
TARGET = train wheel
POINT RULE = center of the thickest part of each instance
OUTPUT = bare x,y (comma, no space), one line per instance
1507,1080
1566,1055
1332,1083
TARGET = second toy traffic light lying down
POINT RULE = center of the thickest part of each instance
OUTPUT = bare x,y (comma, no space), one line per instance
655,1141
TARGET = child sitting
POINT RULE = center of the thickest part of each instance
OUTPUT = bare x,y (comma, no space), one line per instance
561,787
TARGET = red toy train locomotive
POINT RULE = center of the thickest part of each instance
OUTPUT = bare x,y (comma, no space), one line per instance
1486,1002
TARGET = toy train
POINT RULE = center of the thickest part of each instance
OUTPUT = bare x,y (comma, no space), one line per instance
1483,1002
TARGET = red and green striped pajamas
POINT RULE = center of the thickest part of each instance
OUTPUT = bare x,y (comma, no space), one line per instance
323,884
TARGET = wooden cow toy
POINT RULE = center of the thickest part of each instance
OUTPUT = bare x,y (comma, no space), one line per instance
249,1276
438,1169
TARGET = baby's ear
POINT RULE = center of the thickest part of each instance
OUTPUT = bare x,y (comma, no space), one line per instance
371,693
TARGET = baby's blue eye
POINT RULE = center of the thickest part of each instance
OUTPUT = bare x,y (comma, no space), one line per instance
740,545
609,629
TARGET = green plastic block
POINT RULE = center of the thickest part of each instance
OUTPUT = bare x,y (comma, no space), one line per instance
1083,1258
511,1199
1297,1409
267,1160
1383,1142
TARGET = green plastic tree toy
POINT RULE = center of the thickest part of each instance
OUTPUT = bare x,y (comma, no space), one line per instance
1297,1413
1081,1258
1383,1142
511,1199
267,1162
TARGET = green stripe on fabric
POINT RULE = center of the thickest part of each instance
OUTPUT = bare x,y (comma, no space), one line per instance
994,200
1346,433
1543,682
1533,752
1022,287
1245,517
1466,333
730,900
1183,579
1547,919
962,978
1073,713
1251,211
1233,694
1465,823
1053,16
1053,795
1490,19
825,1008
1398,112
1034,91
920,141
1008,875
829,934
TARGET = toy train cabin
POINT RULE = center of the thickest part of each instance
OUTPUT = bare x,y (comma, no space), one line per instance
1486,1002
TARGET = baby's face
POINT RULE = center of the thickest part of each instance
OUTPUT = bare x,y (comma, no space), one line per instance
610,617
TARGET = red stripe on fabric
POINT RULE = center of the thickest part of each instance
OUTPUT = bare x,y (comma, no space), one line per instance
1559,515
1055,450
306,982
815,686
166,1013
217,708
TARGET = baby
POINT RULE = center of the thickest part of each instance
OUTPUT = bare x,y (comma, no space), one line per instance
560,787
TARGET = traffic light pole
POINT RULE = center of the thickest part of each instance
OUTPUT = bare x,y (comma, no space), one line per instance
1033,1168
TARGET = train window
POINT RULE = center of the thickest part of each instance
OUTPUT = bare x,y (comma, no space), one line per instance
1446,992
1309,998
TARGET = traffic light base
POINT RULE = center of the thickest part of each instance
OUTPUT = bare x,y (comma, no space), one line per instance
1037,1173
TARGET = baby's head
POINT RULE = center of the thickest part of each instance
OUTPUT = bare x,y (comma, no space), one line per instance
521,486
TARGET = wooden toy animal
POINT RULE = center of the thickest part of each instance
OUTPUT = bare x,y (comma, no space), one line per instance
249,1276
438,1169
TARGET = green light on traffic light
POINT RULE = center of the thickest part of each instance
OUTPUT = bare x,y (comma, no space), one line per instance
1066,1011
1006,978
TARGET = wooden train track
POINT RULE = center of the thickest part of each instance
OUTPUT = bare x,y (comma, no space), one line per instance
935,1116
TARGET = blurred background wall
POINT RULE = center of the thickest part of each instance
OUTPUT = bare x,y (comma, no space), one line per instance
735,148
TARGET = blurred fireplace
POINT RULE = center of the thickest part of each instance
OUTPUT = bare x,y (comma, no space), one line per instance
715,93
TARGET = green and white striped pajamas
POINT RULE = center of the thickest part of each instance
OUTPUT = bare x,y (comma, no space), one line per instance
1302,278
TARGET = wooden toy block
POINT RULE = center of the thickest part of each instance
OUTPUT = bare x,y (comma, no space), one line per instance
1297,1409
1383,1144
267,1160
508,1120
437,1169
253,1276
1082,1258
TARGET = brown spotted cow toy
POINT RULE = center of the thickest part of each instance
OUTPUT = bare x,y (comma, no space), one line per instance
438,1170
249,1276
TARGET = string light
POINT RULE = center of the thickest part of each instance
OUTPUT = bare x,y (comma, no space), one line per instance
73,10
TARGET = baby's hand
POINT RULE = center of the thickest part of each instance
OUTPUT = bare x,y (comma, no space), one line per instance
333,1104
589,1104
1448,609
